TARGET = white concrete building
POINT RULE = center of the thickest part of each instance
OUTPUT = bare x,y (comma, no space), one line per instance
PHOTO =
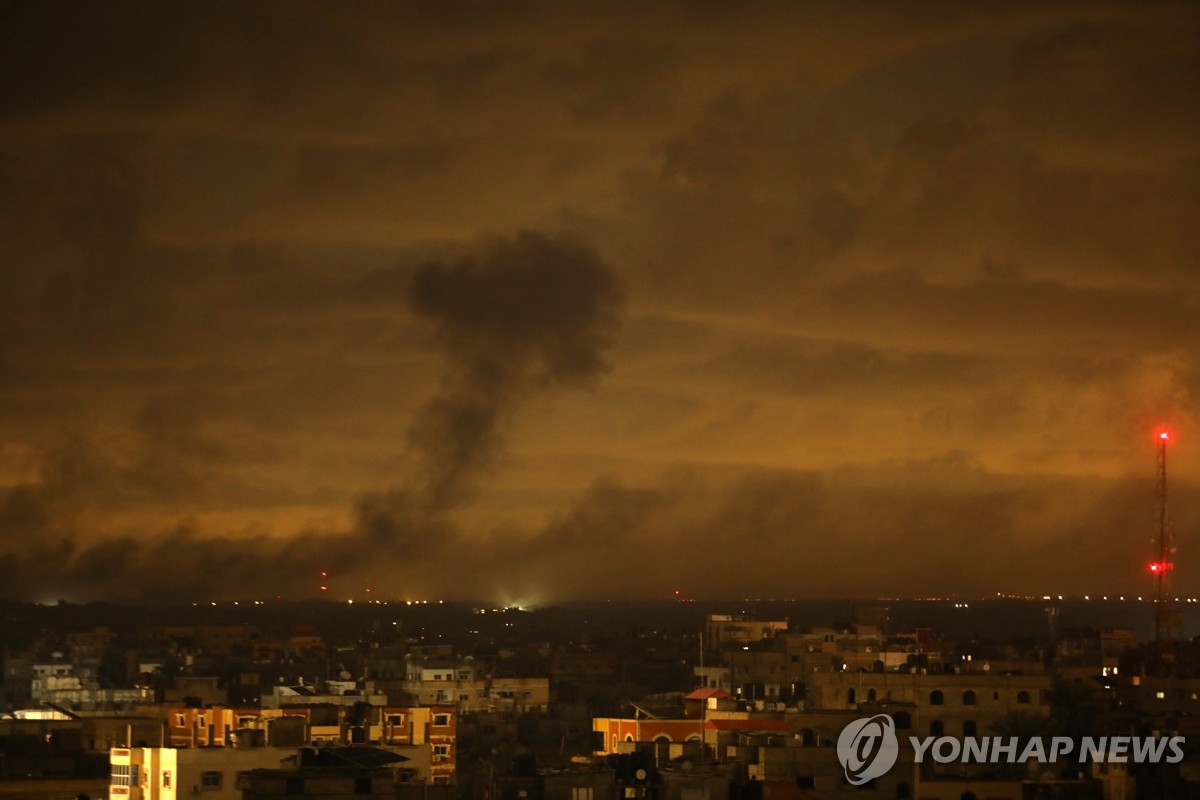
166,773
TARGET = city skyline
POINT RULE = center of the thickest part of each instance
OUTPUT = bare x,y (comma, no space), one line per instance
542,303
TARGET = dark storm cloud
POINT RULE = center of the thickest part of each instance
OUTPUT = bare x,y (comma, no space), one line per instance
22,515
878,266
800,367
514,316
175,450
524,314
204,567
44,553
937,527
1009,310
616,77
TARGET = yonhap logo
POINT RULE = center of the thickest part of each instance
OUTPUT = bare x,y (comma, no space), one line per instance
867,748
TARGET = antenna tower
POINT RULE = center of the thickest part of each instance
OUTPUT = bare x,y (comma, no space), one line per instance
1166,617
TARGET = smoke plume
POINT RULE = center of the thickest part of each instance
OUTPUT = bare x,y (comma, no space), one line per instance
516,316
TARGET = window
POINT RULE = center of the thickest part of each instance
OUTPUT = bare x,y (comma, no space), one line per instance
441,752
180,720
850,695
124,775
870,695
581,793
1023,697
937,728
464,676
395,719
441,719
166,779
968,698
936,698
970,728
903,720
210,780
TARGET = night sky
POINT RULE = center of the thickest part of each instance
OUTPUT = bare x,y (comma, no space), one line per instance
531,302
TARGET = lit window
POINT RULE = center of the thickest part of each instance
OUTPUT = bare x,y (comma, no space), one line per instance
124,775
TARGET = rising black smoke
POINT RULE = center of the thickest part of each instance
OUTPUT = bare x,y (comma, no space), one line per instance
516,316
513,316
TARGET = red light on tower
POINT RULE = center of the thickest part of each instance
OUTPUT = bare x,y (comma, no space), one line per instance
1164,435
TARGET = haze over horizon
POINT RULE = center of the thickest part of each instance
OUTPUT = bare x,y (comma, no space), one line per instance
539,302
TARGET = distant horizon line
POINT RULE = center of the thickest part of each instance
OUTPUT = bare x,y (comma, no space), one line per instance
486,606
